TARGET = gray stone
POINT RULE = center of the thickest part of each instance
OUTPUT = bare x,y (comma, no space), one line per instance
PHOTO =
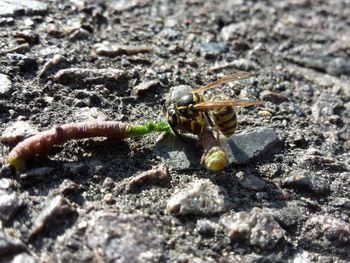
17,132
5,84
20,7
244,147
9,205
125,238
257,228
178,154
202,197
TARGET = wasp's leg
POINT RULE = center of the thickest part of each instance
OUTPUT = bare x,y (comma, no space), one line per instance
211,123
208,119
218,136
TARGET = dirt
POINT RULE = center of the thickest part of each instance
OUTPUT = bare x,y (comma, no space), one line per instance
68,61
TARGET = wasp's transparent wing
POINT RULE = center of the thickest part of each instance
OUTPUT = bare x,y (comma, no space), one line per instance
209,105
233,77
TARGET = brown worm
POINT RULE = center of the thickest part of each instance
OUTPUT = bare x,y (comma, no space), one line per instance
42,143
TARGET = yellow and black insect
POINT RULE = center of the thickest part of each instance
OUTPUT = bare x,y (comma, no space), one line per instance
192,113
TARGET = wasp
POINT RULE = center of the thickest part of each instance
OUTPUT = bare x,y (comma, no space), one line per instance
193,113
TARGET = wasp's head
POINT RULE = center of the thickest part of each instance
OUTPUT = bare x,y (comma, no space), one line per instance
184,106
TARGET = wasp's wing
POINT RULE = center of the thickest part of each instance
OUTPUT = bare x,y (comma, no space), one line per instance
209,105
236,76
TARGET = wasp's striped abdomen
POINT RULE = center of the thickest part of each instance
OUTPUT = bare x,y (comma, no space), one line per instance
225,119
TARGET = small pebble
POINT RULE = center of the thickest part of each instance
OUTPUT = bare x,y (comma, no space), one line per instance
273,97
205,227
231,31
56,207
145,87
9,205
246,146
17,131
68,186
79,34
114,50
264,114
28,35
57,62
24,258
82,76
306,183
89,114
212,50
157,175
257,228
108,198
202,197
5,84
5,183
334,230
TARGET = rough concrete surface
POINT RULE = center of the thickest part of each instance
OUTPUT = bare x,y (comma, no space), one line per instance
283,198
